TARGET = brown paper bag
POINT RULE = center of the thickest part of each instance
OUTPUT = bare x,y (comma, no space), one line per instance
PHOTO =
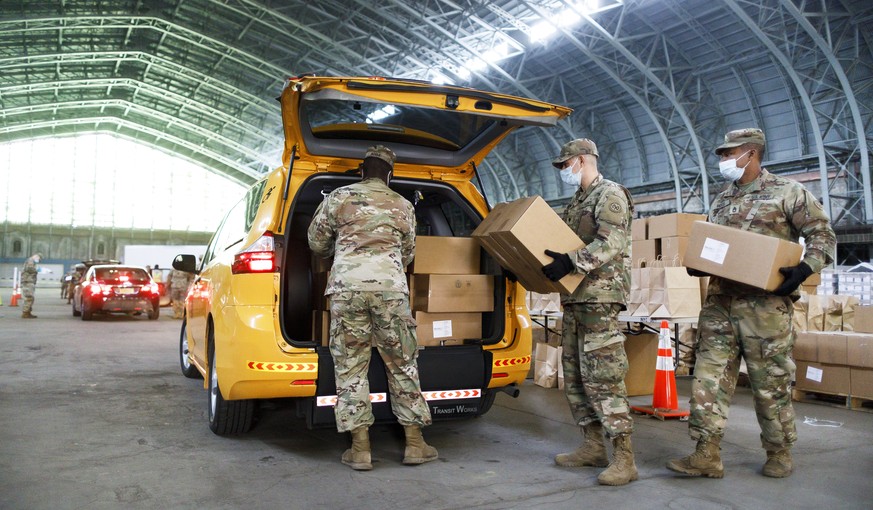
815,311
673,292
842,307
798,318
546,361
640,306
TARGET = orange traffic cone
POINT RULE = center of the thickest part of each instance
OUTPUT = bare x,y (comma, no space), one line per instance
16,294
664,401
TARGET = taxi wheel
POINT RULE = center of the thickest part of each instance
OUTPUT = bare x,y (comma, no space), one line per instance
188,369
155,313
76,313
226,417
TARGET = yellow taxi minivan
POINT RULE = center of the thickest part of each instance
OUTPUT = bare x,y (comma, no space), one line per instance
249,327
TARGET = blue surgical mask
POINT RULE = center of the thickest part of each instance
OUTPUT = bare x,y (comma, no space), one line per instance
569,177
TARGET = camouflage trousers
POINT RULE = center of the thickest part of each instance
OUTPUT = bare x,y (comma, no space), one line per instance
758,329
359,322
27,290
595,365
178,298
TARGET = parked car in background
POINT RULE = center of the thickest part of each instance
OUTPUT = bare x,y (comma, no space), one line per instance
116,288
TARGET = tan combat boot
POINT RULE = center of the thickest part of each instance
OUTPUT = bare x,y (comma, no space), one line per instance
591,453
778,464
622,470
705,461
28,315
358,456
417,451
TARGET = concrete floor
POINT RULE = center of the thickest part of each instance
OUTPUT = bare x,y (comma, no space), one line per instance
96,415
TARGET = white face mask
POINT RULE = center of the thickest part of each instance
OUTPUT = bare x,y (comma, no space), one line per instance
729,169
569,177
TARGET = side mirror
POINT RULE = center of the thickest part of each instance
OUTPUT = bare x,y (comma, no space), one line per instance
185,263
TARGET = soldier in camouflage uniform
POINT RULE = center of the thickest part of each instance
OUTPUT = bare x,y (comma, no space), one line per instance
28,284
177,287
594,359
370,231
738,321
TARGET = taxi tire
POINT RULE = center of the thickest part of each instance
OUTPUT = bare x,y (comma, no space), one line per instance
188,369
226,417
155,313
86,314
76,313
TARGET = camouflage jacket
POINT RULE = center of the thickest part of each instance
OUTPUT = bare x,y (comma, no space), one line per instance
601,216
777,207
370,231
179,280
28,273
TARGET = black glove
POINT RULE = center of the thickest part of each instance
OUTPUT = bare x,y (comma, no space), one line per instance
794,276
695,272
558,269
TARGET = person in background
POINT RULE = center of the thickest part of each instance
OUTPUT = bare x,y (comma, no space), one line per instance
740,322
594,360
177,286
28,284
370,231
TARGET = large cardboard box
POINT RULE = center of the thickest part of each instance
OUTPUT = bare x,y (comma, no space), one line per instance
738,255
639,228
861,382
864,319
434,329
806,346
518,233
643,251
672,225
642,358
673,248
832,379
860,349
453,293
445,255
832,348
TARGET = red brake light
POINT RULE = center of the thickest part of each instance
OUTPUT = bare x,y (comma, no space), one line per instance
260,257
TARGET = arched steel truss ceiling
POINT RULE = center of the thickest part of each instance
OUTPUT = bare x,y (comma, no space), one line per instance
655,83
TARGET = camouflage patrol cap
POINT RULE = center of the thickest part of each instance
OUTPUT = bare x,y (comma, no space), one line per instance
383,153
575,148
739,137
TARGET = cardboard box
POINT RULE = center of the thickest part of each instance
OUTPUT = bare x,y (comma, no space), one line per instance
806,347
859,349
672,225
673,248
436,329
518,233
445,255
861,382
643,251
453,293
832,379
639,229
832,348
642,357
814,280
726,252
864,319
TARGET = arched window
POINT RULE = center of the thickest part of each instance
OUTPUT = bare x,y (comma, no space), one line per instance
101,248
16,247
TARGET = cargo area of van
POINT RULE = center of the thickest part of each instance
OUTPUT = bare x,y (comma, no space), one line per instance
448,360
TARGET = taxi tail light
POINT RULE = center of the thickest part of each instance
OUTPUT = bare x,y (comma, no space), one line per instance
260,257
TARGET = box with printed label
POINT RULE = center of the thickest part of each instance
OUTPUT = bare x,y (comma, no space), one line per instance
672,225
453,293
518,233
727,252
832,379
435,329
445,255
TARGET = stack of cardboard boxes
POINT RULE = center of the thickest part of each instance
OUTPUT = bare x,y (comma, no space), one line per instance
663,237
447,291
836,362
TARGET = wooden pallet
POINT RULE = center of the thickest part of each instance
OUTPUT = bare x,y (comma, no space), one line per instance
845,401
